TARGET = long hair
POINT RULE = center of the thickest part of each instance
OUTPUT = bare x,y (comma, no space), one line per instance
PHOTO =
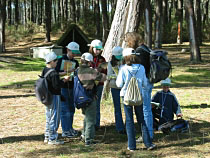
132,59
133,39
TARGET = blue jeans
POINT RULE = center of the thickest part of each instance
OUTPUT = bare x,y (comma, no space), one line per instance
67,110
53,118
98,102
147,109
117,110
130,128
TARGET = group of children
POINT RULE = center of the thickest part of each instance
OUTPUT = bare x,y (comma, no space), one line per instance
123,64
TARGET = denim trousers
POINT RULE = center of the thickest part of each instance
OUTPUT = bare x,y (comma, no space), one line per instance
67,110
130,128
89,121
117,110
98,103
147,108
53,118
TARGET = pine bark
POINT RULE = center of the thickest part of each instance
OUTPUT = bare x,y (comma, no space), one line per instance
2,25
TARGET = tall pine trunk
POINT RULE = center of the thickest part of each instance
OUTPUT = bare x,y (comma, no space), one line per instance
194,47
48,19
2,25
105,20
148,23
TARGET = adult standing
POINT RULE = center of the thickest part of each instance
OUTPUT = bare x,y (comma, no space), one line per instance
134,40
66,66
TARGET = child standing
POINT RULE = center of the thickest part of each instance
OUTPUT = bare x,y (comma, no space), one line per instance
169,105
88,76
67,105
132,66
53,111
96,50
113,68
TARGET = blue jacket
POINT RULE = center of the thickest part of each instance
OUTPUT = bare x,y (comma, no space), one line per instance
124,77
169,104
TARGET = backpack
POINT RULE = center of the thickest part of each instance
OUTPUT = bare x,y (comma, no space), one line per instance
160,66
41,89
132,95
179,125
157,65
82,97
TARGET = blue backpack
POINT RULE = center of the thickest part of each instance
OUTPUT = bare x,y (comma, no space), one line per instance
82,97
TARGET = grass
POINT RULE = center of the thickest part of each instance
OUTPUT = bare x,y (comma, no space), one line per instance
22,117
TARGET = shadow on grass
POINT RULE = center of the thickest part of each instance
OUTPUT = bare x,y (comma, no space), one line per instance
13,139
19,85
16,96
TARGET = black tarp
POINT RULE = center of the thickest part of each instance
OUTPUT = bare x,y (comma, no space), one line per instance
74,34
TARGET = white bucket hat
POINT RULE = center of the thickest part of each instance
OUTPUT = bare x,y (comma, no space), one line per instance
129,51
96,44
50,57
166,82
87,56
74,47
117,52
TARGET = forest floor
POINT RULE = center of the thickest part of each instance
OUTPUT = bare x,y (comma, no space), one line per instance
22,117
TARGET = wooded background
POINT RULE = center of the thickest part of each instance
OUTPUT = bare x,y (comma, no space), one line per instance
160,21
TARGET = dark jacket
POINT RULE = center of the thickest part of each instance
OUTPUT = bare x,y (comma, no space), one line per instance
54,82
169,104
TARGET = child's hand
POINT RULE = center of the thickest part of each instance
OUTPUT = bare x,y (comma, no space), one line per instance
179,115
66,78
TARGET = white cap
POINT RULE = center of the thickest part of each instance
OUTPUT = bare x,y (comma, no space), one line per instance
129,51
96,44
74,47
50,57
87,56
117,52
166,82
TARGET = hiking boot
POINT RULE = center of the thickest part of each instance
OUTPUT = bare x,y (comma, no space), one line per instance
139,140
55,142
46,139
153,146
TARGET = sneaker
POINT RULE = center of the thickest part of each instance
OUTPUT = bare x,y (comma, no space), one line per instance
153,146
46,139
74,132
131,150
90,143
55,142
68,135
82,138
139,140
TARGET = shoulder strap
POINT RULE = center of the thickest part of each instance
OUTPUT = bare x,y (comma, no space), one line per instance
135,73
48,72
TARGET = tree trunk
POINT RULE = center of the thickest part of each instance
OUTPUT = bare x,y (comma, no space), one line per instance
194,48
180,21
148,23
198,21
125,19
48,4
105,20
113,8
158,26
206,11
97,19
73,10
2,25
32,11
16,13
9,12
78,11
165,26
